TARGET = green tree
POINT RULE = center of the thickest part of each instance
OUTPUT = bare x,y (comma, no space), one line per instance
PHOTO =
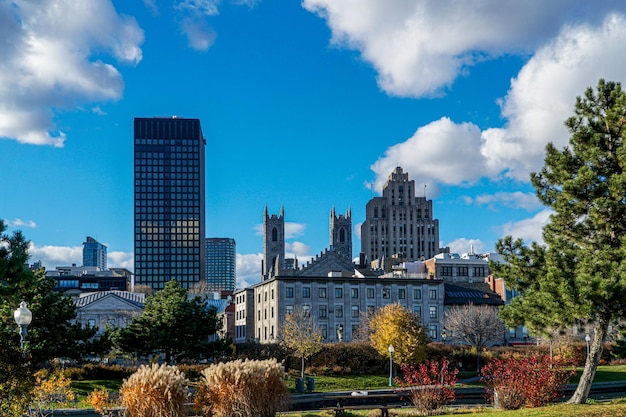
300,334
395,325
171,323
580,273
52,333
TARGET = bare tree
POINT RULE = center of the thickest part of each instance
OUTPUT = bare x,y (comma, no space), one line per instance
477,326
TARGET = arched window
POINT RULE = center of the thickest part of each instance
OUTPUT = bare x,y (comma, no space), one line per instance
274,235
342,235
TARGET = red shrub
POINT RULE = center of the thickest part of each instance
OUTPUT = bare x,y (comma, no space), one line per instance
530,381
429,384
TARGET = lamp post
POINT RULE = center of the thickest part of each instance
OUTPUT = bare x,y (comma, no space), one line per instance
23,316
587,339
443,336
390,349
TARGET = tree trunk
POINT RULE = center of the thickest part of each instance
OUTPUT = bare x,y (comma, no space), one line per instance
593,359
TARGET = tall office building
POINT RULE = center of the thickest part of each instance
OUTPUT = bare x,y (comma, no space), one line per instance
399,224
94,254
169,201
221,259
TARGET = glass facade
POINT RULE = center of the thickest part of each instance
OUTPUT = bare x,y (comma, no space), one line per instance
221,259
94,254
169,201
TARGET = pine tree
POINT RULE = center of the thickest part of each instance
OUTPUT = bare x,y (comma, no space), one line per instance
580,273
172,324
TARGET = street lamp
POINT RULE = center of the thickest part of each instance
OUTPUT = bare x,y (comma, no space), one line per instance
23,316
443,336
390,349
587,339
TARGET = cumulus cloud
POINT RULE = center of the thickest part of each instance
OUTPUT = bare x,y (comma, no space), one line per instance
53,256
48,62
21,223
530,230
120,259
442,142
540,99
517,199
420,47
248,269
297,249
463,245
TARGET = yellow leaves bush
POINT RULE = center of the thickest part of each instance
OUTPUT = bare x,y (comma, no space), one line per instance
247,388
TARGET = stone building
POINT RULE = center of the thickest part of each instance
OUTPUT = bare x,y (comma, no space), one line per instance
399,225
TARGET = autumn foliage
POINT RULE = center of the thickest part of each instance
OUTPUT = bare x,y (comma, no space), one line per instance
429,384
530,381
395,325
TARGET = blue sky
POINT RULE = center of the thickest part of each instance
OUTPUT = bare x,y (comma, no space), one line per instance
306,105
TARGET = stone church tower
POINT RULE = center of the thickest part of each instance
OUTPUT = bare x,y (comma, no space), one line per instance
341,233
273,243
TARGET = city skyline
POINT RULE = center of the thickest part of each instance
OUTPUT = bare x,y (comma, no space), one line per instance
307,106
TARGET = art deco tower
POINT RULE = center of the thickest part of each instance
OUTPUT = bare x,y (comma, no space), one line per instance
399,223
169,201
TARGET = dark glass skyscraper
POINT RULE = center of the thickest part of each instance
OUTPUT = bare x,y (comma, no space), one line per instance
169,201
94,254
221,260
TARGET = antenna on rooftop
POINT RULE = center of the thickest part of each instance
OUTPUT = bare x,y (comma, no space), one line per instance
424,190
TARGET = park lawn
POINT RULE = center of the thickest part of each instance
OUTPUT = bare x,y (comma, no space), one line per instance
605,373
331,383
617,408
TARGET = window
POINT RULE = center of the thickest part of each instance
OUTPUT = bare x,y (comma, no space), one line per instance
386,293
371,310
322,293
512,332
445,271
288,293
306,292
462,271
306,310
355,312
338,311
354,293
432,294
432,312
401,293
479,271
417,294
338,292
417,310
324,331
288,309
91,322
432,331
323,312
370,293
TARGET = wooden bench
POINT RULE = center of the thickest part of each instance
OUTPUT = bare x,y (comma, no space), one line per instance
341,411
356,402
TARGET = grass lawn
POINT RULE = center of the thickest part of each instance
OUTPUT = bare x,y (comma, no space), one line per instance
617,408
604,374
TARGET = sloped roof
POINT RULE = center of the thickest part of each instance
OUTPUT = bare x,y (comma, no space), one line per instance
326,262
135,298
220,305
466,293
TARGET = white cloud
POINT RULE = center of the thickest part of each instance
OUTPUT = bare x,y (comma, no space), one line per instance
199,35
120,259
53,256
298,249
420,47
463,245
21,223
517,199
47,62
248,269
530,230
438,144
540,99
